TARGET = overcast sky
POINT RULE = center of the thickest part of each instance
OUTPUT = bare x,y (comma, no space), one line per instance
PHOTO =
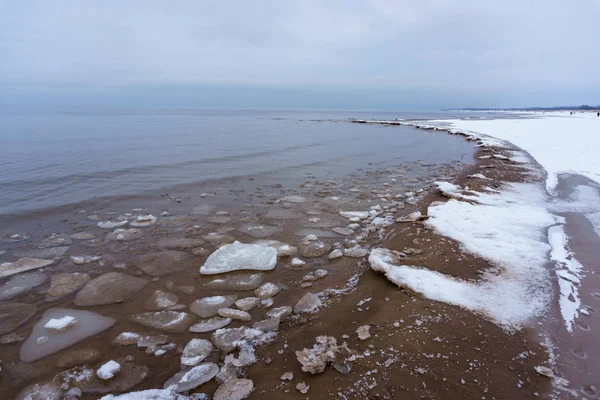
388,54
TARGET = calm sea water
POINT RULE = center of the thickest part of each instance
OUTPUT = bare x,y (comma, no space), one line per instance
54,158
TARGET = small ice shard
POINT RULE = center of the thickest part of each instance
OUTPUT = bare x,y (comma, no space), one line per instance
22,265
293,199
324,351
127,338
363,332
124,234
240,256
243,281
159,300
308,303
234,389
320,273
169,321
247,303
412,217
75,357
209,306
356,252
287,376
266,303
355,214
143,220
302,387
20,284
41,391
236,315
57,325
151,341
296,262
382,222
343,231
162,263
545,371
111,287
266,290
80,260
195,351
209,325
111,224
313,248
83,235
279,312
108,370
89,324
193,378
66,283
13,315
226,339
337,253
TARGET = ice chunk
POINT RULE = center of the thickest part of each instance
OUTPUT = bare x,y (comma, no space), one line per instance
20,284
266,290
57,325
296,262
240,256
111,224
196,351
234,389
337,253
356,251
363,332
193,378
162,263
108,370
236,315
226,339
89,324
293,199
242,281
280,312
41,391
209,306
160,300
259,231
169,321
124,234
143,220
209,325
112,287
324,351
343,231
127,338
67,283
13,315
247,303
22,265
313,248
80,260
308,303
412,217
151,394
355,214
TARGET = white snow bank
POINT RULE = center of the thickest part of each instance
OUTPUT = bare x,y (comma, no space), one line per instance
506,229
558,141
569,275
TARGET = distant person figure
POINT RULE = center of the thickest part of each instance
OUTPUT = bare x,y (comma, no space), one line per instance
598,114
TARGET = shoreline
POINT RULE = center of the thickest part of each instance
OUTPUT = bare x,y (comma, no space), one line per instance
414,359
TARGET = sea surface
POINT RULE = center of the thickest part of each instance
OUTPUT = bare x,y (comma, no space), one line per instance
52,158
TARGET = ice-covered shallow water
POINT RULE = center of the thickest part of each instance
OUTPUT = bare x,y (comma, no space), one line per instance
51,158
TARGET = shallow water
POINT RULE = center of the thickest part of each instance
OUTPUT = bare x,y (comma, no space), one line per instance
50,158
351,167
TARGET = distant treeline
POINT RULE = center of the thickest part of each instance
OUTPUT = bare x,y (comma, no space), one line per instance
559,108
